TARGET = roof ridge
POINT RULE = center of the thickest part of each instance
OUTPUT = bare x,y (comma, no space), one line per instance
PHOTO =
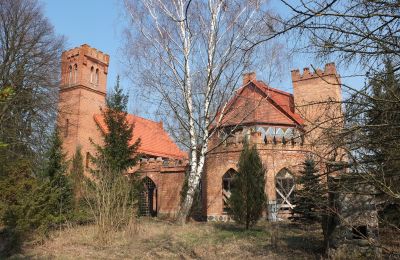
288,113
145,119
274,89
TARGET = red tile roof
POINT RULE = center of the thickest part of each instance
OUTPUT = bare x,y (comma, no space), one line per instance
282,99
256,102
154,140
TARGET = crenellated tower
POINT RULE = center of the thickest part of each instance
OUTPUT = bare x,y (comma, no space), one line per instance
317,98
82,93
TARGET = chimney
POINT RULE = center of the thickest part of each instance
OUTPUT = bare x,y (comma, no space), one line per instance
247,77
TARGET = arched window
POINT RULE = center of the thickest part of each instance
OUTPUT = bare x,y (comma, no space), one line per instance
148,198
66,129
91,75
227,184
96,80
284,186
70,75
75,73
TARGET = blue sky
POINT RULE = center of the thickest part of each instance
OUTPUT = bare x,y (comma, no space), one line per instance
99,23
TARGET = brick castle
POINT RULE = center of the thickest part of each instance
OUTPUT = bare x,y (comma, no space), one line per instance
284,127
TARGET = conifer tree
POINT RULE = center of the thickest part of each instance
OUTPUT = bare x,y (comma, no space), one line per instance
117,153
77,172
382,131
56,184
309,200
113,196
247,200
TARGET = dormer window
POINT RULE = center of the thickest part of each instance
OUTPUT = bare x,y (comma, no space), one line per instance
91,75
75,73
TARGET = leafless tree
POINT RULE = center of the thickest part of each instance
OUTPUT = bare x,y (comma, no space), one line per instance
29,64
365,35
190,55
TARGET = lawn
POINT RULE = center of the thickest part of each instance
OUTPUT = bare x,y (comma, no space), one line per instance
154,239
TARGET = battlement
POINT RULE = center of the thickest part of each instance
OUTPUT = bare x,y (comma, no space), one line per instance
261,140
330,69
164,165
87,51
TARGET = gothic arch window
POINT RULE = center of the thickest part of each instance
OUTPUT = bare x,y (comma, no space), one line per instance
70,75
91,75
148,198
75,73
96,79
285,187
227,184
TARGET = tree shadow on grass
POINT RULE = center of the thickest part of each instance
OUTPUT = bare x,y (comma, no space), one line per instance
235,228
298,238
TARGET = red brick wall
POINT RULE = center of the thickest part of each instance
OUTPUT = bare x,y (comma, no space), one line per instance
275,157
169,180
80,99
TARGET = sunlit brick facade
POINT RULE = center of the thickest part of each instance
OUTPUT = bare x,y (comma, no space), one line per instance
284,127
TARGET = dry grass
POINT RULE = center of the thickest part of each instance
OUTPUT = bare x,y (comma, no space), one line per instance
153,239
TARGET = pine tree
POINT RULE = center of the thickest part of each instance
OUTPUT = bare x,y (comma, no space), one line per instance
382,142
383,121
37,204
247,200
77,172
309,200
116,196
56,183
117,152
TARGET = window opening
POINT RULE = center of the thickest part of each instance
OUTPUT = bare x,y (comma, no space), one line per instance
284,186
75,73
148,198
91,74
97,77
70,76
227,185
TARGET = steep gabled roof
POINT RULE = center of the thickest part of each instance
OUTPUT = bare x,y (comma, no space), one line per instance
256,102
283,100
154,140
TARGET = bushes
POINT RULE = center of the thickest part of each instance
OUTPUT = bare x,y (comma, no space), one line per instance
112,200
35,203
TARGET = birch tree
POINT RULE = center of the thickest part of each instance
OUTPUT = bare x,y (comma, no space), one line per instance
188,56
